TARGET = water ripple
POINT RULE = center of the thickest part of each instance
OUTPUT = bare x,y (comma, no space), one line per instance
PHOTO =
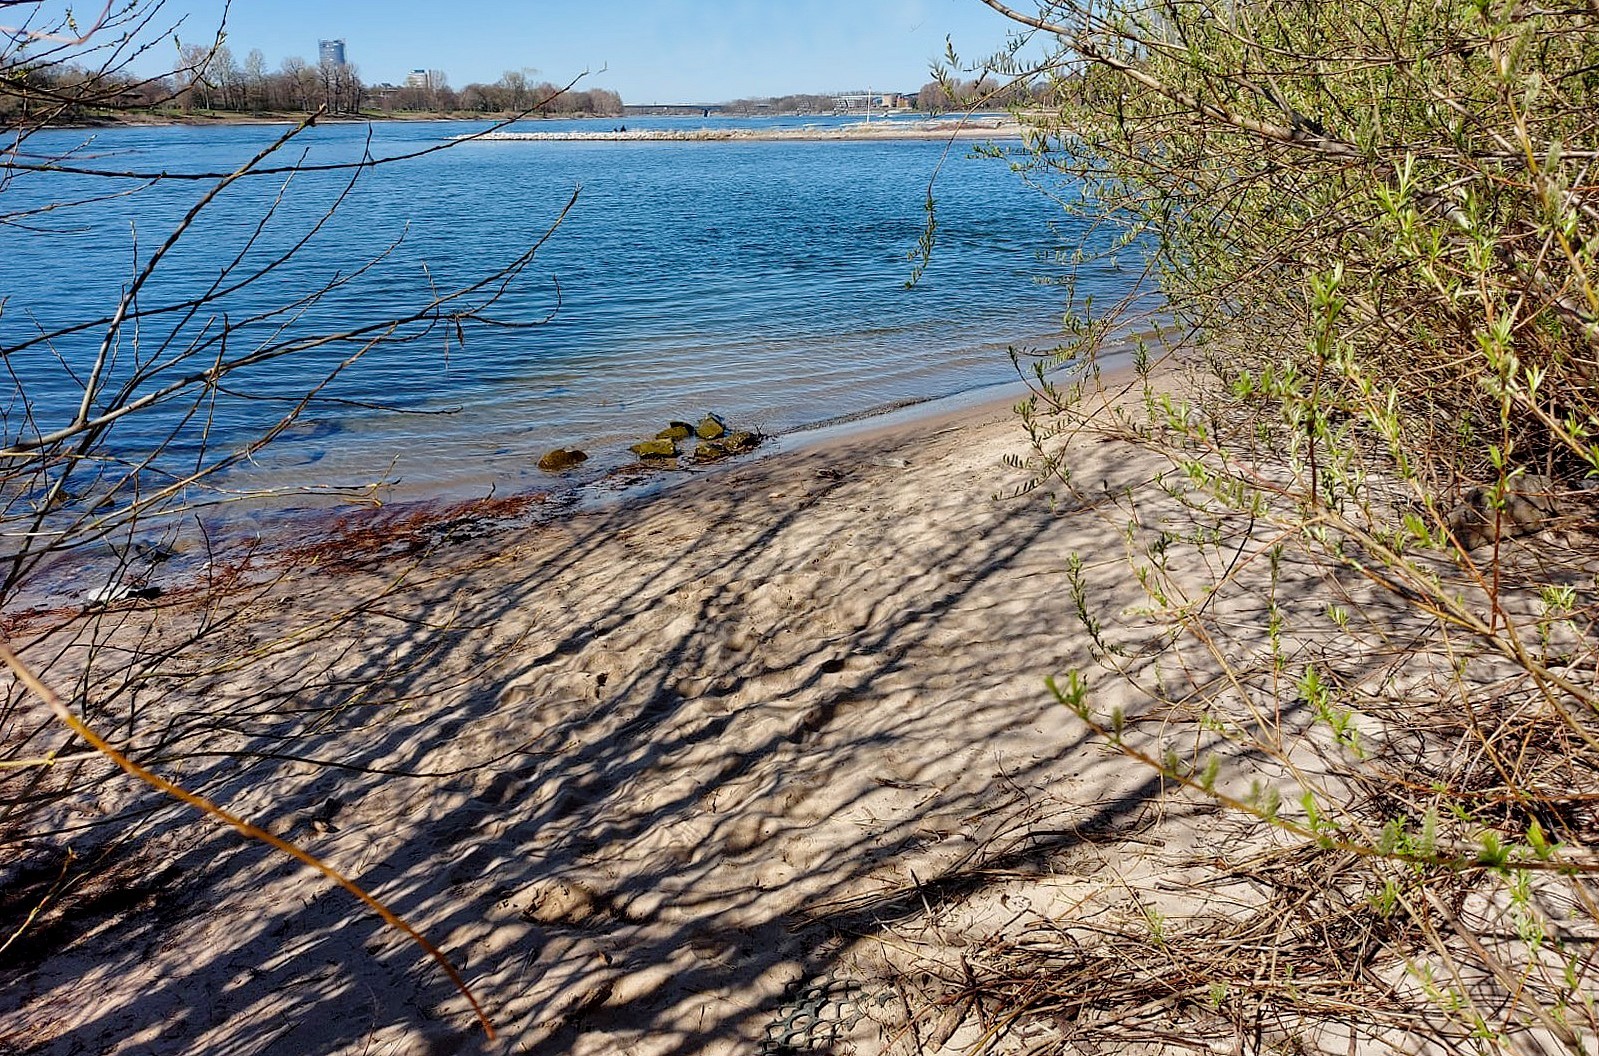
765,280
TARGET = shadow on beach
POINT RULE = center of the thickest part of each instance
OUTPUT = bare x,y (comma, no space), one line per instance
654,777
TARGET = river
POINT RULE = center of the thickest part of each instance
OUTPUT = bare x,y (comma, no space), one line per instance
765,281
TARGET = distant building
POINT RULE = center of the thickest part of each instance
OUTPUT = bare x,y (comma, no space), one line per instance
418,79
330,52
867,102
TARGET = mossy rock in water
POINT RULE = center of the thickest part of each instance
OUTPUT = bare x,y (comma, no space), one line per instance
711,450
711,427
562,458
728,446
655,449
675,431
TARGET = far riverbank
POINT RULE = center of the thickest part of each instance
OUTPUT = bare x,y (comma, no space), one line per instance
898,125
891,128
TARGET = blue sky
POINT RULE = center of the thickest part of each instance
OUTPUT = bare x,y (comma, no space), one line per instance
651,50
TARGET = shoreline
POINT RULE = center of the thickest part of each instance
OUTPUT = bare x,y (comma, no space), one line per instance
813,437
362,523
347,528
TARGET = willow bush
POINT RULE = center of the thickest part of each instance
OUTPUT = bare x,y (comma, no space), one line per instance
1371,572
1429,165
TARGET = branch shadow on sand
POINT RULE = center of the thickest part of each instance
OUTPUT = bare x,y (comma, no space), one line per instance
643,774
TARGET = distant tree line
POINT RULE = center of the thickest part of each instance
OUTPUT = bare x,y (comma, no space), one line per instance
783,104
512,93
935,96
213,79
984,93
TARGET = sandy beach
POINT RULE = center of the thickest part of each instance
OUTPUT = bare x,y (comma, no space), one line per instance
530,591
745,766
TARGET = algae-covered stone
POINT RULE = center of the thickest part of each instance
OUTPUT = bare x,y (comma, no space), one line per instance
729,445
711,427
655,449
562,458
675,431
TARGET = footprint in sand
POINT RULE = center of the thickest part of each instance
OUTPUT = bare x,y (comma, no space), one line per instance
547,688
571,904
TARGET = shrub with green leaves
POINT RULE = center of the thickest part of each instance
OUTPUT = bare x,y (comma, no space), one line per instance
1393,199
1371,563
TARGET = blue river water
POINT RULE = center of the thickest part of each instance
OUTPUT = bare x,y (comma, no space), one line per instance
764,280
